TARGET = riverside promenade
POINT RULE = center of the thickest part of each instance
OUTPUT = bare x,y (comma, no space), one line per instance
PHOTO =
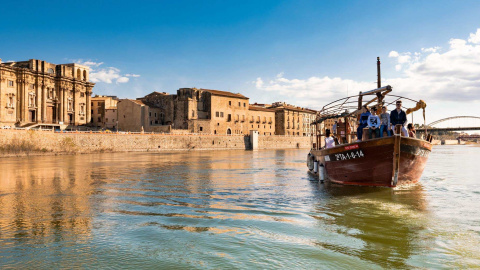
38,142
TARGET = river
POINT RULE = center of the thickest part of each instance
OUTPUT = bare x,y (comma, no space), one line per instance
232,209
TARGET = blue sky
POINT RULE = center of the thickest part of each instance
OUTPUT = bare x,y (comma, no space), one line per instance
268,50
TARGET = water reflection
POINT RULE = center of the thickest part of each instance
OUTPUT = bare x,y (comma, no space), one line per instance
222,209
381,225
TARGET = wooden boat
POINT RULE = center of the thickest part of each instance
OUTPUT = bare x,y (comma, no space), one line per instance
386,161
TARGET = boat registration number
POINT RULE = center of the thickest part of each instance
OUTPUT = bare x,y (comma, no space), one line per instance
345,155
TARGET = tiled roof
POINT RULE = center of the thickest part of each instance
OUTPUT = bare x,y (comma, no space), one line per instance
257,108
225,93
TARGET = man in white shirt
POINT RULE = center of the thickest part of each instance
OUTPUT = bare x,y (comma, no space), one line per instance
373,123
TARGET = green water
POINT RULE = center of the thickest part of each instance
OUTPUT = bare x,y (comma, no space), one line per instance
230,210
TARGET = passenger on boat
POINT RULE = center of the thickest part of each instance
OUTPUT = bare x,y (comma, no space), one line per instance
411,131
329,140
363,121
334,128
398,116
373,124
385,122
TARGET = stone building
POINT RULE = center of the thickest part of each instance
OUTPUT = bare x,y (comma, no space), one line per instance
261,119
193,110
36,92
292,120
104,112
138,116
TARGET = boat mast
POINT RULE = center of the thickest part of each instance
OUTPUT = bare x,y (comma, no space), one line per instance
379,79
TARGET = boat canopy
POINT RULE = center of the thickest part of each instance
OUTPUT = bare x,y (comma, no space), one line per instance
350,106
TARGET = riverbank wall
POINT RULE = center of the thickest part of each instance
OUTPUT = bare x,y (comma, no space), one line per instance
30,142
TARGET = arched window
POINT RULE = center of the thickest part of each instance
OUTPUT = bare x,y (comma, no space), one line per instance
84,75
50,70
79,74
229,131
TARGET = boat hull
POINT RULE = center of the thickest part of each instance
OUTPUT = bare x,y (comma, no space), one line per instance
387,162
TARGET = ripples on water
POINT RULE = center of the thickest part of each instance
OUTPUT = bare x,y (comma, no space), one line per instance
232,209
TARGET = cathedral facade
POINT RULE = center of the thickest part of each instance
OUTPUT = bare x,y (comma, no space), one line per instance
36,93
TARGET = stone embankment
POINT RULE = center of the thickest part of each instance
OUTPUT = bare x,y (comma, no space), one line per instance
30,142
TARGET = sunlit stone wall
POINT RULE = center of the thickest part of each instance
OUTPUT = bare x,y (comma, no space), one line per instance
21,141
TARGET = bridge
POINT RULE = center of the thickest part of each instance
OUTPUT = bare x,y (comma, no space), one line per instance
468,137
454,123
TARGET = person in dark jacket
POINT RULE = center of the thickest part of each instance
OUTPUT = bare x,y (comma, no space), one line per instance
363,122
398,116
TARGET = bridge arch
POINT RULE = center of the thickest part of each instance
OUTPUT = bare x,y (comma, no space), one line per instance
451,118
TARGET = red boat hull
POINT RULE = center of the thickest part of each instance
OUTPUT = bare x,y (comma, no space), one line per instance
373,162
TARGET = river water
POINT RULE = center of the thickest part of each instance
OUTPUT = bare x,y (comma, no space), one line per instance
232,209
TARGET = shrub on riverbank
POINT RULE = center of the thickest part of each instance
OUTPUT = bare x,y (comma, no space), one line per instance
16,146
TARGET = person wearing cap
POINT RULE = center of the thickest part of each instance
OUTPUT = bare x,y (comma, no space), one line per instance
398,116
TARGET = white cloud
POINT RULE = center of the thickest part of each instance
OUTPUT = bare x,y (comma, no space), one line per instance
122,80
105,74
450,75
132,75
404,58
259,82
92,64
431,50
393,54
475,37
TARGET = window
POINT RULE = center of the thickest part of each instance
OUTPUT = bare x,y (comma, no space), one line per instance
244,104
243,118
201,128
10,102
239,104
215,132
229,118
221,114
150,114
217,114
193,113
100,119
82,94
32,86
155,114
50,70
151,122
10,83
230,103
106,119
